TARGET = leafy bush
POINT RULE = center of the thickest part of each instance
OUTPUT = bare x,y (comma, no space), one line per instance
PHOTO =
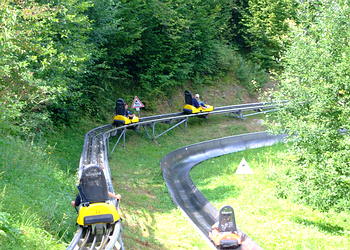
316,82
44,52
250,74
261,28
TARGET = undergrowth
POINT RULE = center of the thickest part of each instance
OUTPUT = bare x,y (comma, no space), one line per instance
34,194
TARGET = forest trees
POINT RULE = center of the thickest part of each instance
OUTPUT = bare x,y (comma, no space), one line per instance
316,81
149,47
261,29
44,51
66,56
62,59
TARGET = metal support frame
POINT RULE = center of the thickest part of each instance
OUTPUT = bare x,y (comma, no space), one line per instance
122,134
172,127
261,112
96,146
153,129
146,130
238,114
153,126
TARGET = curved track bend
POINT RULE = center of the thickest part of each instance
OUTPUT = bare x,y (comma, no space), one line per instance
95,151
177,165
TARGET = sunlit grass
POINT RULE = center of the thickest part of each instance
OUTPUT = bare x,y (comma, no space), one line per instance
272,222
151,219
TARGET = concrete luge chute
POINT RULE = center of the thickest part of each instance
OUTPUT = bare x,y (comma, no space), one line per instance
176,167
95,151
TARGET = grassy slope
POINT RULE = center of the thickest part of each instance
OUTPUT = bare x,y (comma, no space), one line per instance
37,182
149,212
152,221
34,191
273,223
36,186
30,172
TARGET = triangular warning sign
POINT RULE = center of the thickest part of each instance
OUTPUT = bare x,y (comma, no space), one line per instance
136,103
243,168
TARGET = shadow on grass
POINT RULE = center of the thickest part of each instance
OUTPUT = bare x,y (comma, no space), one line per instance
221,193
321,226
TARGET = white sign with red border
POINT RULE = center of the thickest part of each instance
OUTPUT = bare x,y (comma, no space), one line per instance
136,103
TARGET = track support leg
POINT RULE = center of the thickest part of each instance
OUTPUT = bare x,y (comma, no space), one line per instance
122,134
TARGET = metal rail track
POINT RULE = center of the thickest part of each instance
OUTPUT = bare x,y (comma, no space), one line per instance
176,167
233,109
95,151
222,108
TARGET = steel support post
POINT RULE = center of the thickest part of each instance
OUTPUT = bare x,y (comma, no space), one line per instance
153,130
146,129
238,114
122,134
172,127
261,112
107,145
124,137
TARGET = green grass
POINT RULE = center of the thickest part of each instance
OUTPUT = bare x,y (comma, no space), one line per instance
34,197
37,183
272,222
151,219
37,180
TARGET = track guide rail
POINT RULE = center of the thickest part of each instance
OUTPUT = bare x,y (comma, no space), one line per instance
95,151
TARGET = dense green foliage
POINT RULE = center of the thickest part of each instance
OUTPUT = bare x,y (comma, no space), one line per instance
316,81
64,58
261,27
43,57
149,47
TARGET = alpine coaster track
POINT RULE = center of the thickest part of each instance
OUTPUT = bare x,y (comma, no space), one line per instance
95,151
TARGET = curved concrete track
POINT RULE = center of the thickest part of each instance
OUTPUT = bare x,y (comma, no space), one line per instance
176,167
95,151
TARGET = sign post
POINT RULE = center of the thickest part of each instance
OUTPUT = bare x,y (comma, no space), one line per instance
137,104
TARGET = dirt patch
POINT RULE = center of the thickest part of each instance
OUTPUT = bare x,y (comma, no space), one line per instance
255,125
